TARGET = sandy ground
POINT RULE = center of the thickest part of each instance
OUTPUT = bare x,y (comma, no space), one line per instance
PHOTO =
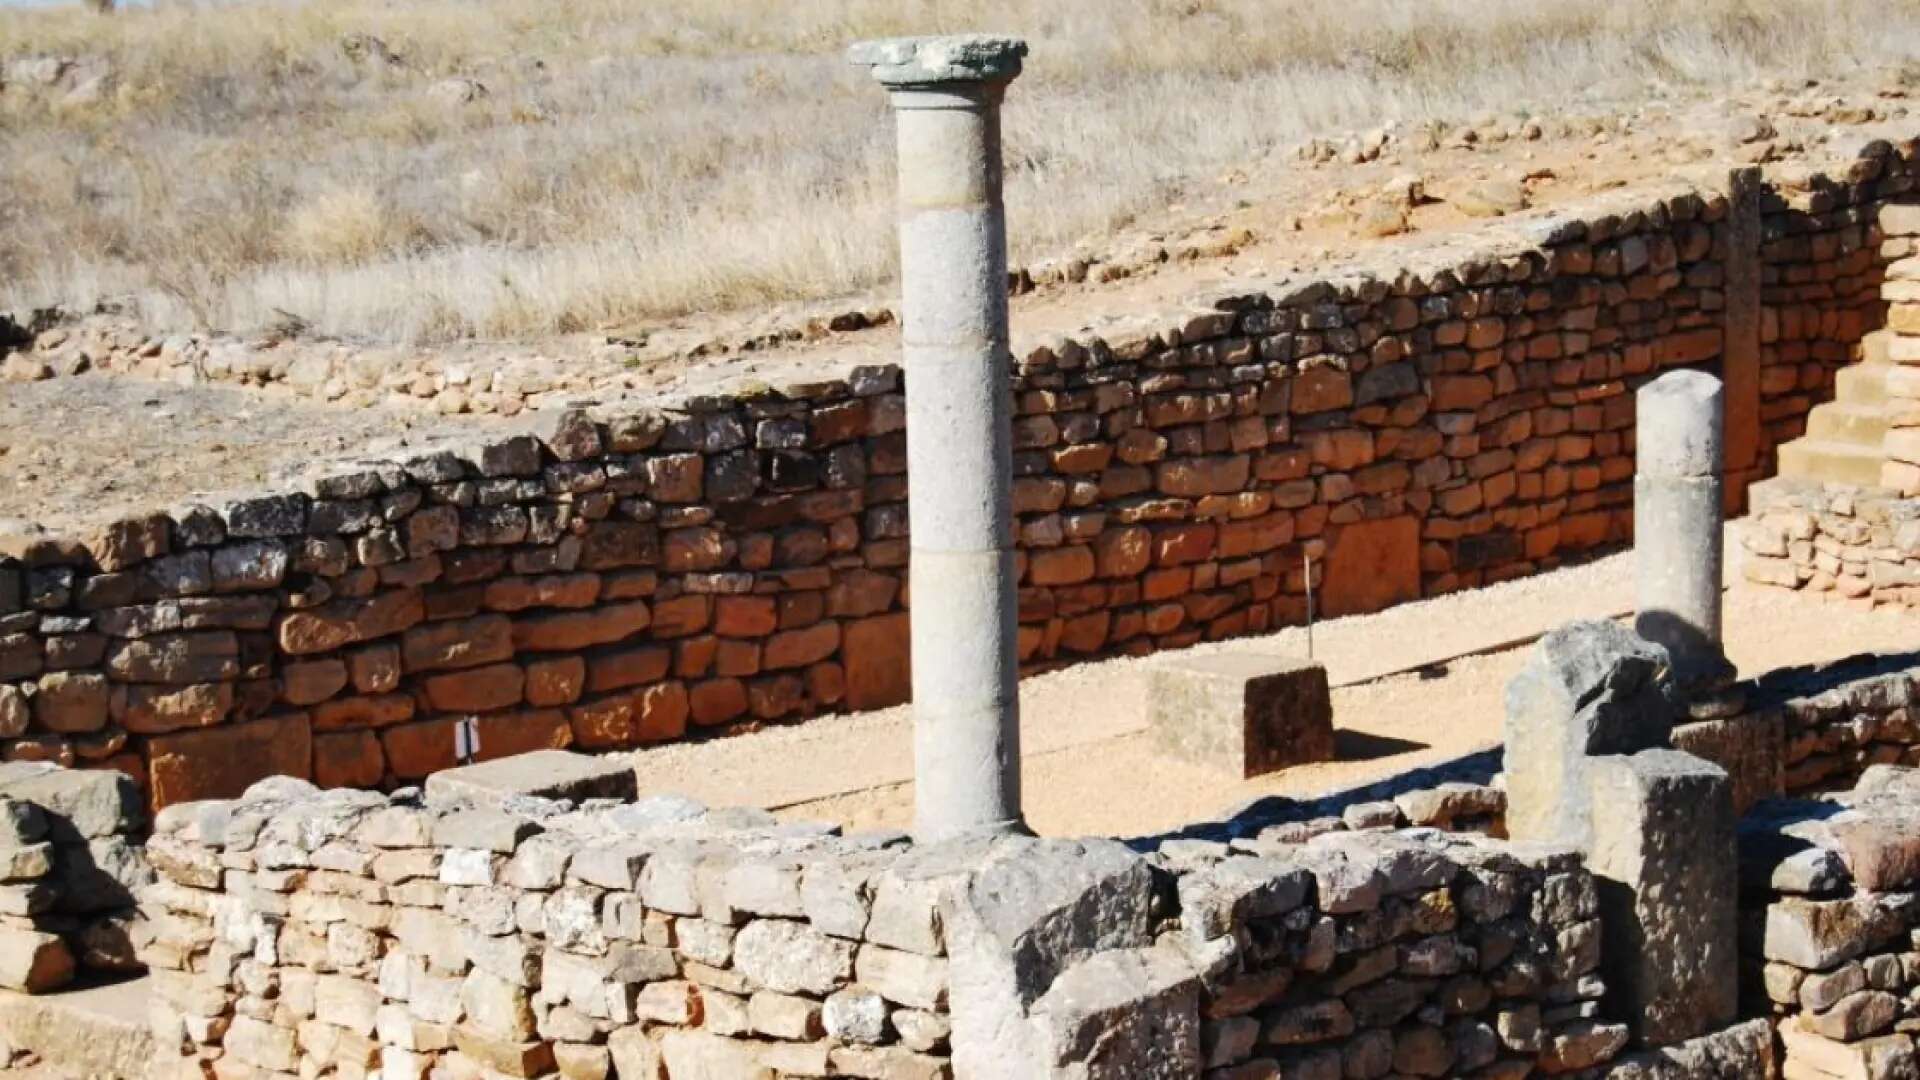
1407,694
88,447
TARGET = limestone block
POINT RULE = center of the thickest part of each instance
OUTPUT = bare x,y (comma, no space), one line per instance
1743,1051
78,804
1821,934
1662,854
32,961
789,956
221,762
548,774
1889,1057
1128,1014
1590,688
1242,713
1371,565
1034,908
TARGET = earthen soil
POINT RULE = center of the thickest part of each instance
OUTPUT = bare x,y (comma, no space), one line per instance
1407,694
87,447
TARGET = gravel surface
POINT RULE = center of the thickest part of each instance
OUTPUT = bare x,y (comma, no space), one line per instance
1090,769
85,449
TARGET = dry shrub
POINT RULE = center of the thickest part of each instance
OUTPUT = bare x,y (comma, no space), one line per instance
343,225
632,161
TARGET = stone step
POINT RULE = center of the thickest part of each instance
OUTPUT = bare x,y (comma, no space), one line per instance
1846,422
1831,462
1861,384
1873,348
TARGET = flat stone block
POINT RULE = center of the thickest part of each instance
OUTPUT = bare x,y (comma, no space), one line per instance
1242,713
547,774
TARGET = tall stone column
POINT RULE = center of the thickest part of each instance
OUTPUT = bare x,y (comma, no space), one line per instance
946,94
1677,518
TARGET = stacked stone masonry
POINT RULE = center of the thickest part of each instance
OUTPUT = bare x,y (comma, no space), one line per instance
71,870
306,933
300,932
639,575
1832,934
1847,526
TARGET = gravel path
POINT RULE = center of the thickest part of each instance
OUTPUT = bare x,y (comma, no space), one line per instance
1089,767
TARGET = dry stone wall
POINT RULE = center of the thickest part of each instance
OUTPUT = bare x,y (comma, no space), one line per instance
1814,729
307,933
1846,544
301,932
1832,947
637,576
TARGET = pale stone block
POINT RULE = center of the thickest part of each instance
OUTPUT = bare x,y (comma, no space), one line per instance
1662,854
547,774
1242,713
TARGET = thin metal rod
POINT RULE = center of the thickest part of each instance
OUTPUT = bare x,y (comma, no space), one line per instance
1306,561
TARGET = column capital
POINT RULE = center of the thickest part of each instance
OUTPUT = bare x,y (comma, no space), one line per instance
908,63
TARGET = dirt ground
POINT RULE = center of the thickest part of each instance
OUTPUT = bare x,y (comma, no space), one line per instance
1406,695
83,448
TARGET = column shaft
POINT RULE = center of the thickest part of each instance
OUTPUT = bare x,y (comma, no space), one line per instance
953,262
1677,516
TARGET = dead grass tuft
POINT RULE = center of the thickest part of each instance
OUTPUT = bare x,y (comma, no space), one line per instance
632,161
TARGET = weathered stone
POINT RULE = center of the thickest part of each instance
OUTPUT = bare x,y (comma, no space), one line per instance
792,957
1820,934
1243,713
221,762
547,774
1034,908
1589,688
1662,853
1121,1014
78,805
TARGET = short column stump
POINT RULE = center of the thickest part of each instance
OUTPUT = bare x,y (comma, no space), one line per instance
1241,713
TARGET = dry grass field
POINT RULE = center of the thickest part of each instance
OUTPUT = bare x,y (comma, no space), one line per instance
515,168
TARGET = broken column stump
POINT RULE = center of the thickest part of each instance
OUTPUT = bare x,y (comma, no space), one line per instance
1590,688
1241,713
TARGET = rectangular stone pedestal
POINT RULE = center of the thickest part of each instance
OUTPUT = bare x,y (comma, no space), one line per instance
1662,854
1241,713
548,774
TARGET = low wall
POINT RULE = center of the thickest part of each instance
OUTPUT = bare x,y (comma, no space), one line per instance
638,576
298,931
301,932
1815,729
1850,544
1832,918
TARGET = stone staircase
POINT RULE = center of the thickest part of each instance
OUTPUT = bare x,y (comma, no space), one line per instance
1843,443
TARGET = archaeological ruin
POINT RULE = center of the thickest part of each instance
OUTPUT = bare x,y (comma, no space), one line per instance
338,780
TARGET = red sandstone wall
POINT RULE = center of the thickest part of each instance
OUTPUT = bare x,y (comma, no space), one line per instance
634,579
